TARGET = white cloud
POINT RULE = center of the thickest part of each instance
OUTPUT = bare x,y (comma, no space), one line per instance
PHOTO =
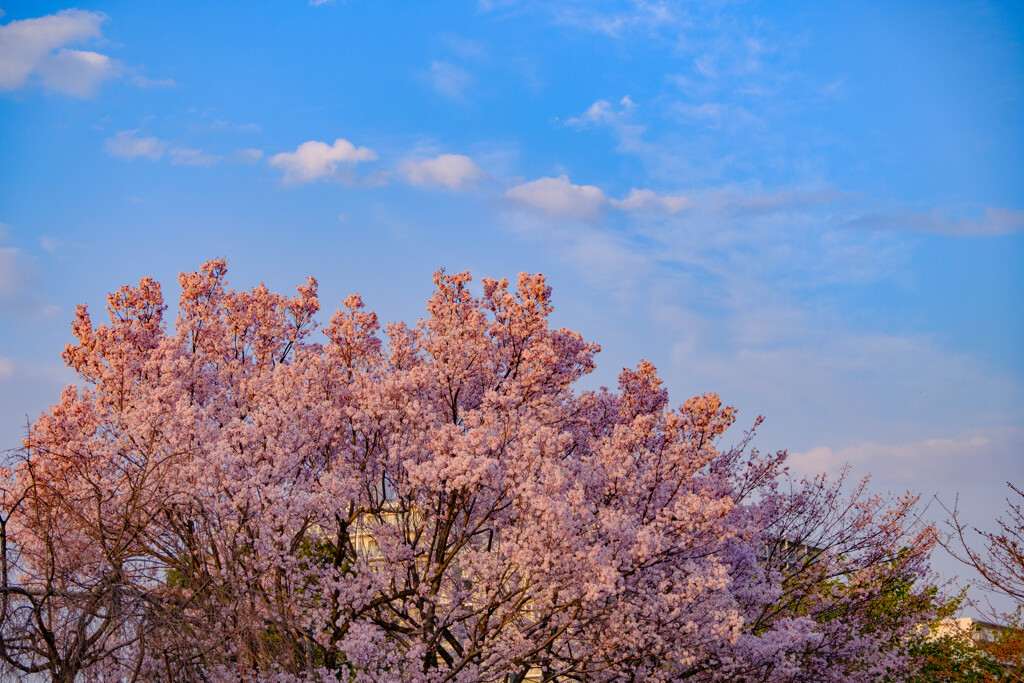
314,160
6,367
248,156
602,112
127,146
185,156
450,80
559,198
76,72
33,51
453,171
648,200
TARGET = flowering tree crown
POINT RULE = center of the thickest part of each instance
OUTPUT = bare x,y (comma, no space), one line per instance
231,498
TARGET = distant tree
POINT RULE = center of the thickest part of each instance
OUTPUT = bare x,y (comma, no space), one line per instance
231,500
954,658
998,557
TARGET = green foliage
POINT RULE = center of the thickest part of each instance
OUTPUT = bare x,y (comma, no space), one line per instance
951,656
954,658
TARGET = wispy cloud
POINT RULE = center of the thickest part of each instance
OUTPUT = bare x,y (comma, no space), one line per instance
738,279
602,112
615,20
187,156
996,221
454,171
314,160
248,155
601,257
619,118
144,82
642,16
717,114
206,124
674,157
648,200
737,203
127,145
449,80
464,47
19,286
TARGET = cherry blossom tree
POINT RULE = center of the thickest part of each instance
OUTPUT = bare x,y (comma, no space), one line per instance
232,499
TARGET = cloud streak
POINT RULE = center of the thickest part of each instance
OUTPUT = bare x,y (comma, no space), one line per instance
996,221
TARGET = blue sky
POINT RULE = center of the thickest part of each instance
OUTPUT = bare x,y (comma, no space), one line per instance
815,209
